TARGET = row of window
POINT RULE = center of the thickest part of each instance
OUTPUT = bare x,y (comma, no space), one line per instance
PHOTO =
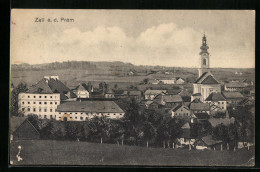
45,116
40,103
182,114
39,97
91,113
40,109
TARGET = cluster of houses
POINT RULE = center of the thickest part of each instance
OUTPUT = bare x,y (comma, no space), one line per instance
51,99
176,80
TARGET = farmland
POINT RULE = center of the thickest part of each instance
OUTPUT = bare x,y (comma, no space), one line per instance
48,152
116,73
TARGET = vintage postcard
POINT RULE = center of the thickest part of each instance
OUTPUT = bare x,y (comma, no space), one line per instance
132,87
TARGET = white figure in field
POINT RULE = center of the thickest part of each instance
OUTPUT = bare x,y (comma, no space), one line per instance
18,155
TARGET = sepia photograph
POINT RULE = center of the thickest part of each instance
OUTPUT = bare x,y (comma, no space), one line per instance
132,87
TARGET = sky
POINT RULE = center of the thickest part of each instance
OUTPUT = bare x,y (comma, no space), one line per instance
141,37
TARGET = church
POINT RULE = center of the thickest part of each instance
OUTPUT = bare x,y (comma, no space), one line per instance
206,83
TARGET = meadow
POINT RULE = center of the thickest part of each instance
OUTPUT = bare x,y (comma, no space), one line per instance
50,152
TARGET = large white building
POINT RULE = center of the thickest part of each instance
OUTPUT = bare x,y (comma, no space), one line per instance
43,98
84,110
206,83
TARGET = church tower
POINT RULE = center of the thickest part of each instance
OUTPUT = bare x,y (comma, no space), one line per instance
204,59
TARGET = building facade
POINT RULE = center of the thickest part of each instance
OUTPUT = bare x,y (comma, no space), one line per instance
85,110
43,98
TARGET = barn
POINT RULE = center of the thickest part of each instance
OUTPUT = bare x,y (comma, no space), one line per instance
22,129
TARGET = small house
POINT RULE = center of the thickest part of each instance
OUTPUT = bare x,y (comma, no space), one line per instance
207,142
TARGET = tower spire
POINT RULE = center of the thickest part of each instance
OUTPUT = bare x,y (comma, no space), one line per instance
204,59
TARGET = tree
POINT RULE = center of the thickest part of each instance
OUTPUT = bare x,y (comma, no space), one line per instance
145,80
21,87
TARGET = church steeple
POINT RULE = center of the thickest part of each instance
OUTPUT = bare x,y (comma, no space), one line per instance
204,59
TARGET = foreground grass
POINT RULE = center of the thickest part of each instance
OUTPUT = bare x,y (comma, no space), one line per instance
47,152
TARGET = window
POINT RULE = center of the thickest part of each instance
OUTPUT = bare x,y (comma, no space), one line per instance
22,109
59,113
45,116
81,113
28,103
28,96
59,117
28,109
51,116
40,103
45,103
40,96
222,107
75,113
55,103
34,96
50,110
70,113
23,103
222,102
34,109
81,118
50,96
76,117
70,117
204,61
45,109
34,102
40,109
218,102
51,103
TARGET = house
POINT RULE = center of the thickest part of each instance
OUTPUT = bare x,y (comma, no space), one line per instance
97,94
185,95
154,81
43,98
110,94
217,99
83,90
248,82
196,106
84,110
215,110
201,116
179,80
196,96
246,102
168,101
167,81
217,121
151,104
233,98
186,138
207,142
150,94
181,111
234,86
22,129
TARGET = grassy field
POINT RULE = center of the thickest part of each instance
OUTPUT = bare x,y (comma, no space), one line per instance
72,77
46,152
